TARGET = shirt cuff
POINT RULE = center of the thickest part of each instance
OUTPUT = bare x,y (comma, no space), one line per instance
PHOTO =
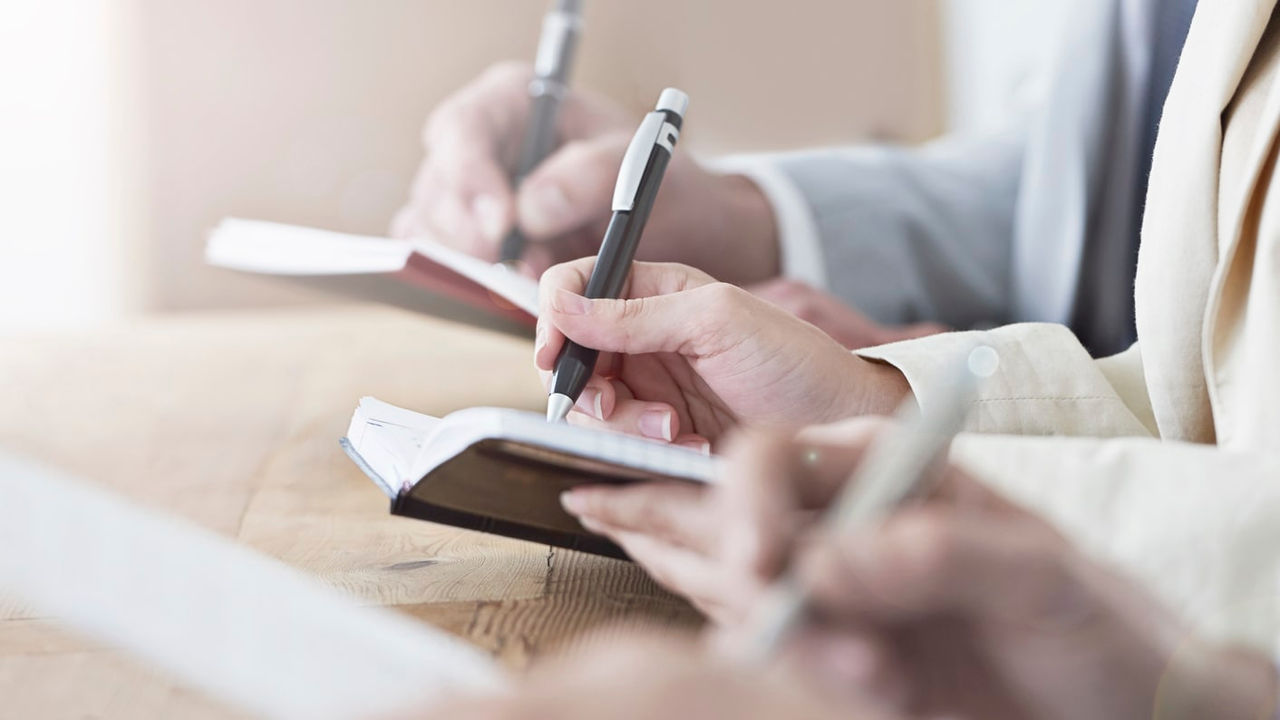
798,240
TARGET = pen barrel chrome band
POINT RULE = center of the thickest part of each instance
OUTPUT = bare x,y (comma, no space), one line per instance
658,133
556,47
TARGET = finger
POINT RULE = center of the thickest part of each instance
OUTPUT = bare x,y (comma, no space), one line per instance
572,187
464,187
653,420
930,561
675,513
756,500
772,481
645,279
694,441
694,323
683,571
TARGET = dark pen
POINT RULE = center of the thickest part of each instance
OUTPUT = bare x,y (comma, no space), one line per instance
560,30
638,180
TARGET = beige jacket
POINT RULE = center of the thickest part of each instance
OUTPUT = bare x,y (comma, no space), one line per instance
1186,492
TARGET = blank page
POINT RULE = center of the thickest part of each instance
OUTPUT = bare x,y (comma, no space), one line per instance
275,249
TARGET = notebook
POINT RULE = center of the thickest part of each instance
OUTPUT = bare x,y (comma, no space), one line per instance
422,274
502,471
216,616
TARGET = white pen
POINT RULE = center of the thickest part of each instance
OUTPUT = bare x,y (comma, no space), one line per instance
895,469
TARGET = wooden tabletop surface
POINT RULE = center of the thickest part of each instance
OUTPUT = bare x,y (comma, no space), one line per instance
232,421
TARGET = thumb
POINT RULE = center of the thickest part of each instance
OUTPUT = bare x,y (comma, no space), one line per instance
660,323
571,188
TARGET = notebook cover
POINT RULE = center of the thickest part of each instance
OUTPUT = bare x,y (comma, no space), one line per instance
512,489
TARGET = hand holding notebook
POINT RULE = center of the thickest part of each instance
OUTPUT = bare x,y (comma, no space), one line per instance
502,471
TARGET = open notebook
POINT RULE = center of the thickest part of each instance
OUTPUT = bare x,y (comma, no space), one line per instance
420,274
502,471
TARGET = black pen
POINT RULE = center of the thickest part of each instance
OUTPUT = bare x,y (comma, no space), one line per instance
560,30
638,180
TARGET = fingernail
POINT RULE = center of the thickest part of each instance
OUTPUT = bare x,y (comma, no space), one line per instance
570,303
489,216
591,402
548,206
572,503
539,339
656,424
591,525
701,446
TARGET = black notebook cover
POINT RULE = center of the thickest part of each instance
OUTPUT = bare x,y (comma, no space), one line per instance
512,489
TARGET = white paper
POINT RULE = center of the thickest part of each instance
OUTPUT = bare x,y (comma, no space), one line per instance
219,617
276,249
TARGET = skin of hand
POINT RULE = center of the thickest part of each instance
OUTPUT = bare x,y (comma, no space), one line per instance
830,314
967,605
462,193
643,679
719,547
685,358
964,605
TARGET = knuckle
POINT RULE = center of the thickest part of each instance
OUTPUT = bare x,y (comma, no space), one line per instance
788,288
722,296
508,72
932,548
805,309
633,309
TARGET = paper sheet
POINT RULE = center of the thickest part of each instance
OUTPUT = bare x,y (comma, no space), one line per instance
277,249
219,617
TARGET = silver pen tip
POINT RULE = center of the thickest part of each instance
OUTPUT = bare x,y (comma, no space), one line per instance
558,407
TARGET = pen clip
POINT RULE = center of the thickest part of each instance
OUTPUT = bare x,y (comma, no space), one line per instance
654,131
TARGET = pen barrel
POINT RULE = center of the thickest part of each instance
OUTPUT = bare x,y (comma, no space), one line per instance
539,136
622,238
574,367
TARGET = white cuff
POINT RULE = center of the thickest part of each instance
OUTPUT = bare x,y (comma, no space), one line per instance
798,242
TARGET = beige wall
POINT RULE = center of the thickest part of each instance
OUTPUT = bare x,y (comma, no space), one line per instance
308,111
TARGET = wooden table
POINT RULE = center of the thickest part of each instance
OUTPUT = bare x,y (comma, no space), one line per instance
232,421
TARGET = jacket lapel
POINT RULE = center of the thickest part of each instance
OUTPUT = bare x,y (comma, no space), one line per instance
1179,251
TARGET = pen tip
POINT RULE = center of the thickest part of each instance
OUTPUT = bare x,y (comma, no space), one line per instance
558,407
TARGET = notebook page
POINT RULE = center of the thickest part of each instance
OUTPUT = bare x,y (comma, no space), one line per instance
461,429
388,438
276,249
279,249
216,616
517,289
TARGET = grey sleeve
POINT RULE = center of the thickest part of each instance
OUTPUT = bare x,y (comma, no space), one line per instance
916,234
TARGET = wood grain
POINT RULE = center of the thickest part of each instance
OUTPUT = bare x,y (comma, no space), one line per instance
232,422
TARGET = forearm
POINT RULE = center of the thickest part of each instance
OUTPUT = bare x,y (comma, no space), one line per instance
749,230
914,234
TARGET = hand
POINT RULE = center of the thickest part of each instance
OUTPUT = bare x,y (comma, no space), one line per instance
685,358
463,196
830,314
720,547
673,680
970,606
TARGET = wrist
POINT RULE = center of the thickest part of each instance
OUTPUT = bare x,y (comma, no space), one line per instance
871,388
749,229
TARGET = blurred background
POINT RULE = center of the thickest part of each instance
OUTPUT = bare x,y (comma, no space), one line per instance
132,126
